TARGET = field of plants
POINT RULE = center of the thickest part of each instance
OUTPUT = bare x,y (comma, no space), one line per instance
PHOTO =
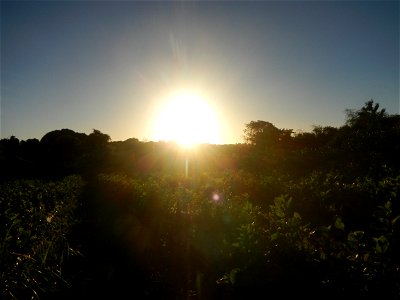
314,214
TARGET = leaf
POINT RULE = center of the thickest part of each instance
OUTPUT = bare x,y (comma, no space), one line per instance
388,205
395,220
339,224
233,275
381,244
355,235
236,245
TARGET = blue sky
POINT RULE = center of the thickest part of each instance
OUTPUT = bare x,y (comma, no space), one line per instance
106,65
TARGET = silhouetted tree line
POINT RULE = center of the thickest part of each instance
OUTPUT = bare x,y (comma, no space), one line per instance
367,144
57,154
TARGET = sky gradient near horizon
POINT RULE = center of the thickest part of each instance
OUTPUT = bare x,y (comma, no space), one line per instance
107,65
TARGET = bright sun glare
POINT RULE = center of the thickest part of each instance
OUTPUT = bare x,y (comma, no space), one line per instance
187,119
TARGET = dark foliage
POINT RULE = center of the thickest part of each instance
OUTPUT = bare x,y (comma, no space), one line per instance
313,214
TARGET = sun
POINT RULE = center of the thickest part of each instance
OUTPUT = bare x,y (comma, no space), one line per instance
187,119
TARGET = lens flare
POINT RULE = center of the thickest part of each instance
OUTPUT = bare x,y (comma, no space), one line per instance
216,197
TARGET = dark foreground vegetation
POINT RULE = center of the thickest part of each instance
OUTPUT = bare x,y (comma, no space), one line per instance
309,214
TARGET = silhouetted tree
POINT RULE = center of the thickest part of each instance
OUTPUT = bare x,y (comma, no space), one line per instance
97,139
61,151
368,117
11,146
265,134
260,133
9,157
64,144
97,153
370,138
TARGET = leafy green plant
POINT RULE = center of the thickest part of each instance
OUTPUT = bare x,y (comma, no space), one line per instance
38,217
